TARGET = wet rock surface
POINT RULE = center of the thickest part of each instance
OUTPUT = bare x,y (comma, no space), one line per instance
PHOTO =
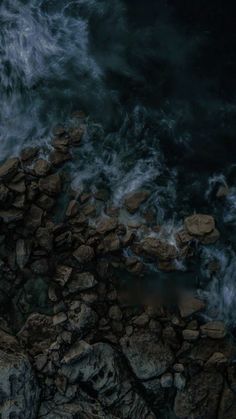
89,343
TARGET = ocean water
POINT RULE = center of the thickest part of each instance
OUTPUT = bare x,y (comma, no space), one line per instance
157,80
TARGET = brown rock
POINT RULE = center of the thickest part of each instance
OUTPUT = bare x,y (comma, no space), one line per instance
34,217
63,274
162,250
189,305
107,225
134,200
76,134
214,330
29,153
9,169
82,281
50,185
57,158
72,209
84,254
41,168
211,237
190,335
45,202
199,224
222,192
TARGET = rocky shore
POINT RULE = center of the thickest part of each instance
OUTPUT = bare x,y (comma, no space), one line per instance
76,340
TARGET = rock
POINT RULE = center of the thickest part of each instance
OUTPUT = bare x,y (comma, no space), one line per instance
18,187
40,267
115,313
190,335
84,254
101,366
76,134
200,398
44,238
34,217
45,202
29,153
214,330
189,305
158,248
59,318
134,200
106,225
82,318
218,359
199,224
141,320
222,192
9,169
111,243
179,381
11,216
148,356
63,274
72,209
227,408
50,185
18,387
57,158
41,168
38,333
211,238
4,194
23,250
75,352
82,281
167,380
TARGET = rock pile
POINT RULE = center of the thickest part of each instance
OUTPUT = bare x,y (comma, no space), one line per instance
92,351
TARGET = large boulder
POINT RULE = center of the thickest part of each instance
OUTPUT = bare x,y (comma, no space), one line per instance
148,356
102,370
19,392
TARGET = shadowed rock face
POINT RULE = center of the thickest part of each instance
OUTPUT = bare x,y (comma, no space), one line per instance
19,391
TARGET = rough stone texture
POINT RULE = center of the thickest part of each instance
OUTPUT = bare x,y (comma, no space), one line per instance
82,318
106,225
189,305
201,397
134,200
82,281
9,168
84,253
41,168
22,252
162,250
214,330
148,356
199,224
50,185
19,392
102,369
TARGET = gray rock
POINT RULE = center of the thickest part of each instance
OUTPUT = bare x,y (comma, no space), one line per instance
148,356
23,250
19,392
81,282
82,318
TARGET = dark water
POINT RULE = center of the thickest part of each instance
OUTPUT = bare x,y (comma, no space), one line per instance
160,77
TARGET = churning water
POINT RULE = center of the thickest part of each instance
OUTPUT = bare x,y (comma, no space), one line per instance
156,82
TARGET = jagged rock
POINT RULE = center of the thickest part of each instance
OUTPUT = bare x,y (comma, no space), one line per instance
189,305
19,392
211,238
134,200
9,169
57,157
34,217
82,318
81,282
4,193
214,330
72,209
38,333
218,359
41,168
111,243
106,225
59,318
199,224
101,366
23,250
44,238
51,185
115,313
158,248
148,356
29,153
84,253
12,215
63,274
200,398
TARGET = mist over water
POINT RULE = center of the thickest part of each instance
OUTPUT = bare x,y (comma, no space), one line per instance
159,85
